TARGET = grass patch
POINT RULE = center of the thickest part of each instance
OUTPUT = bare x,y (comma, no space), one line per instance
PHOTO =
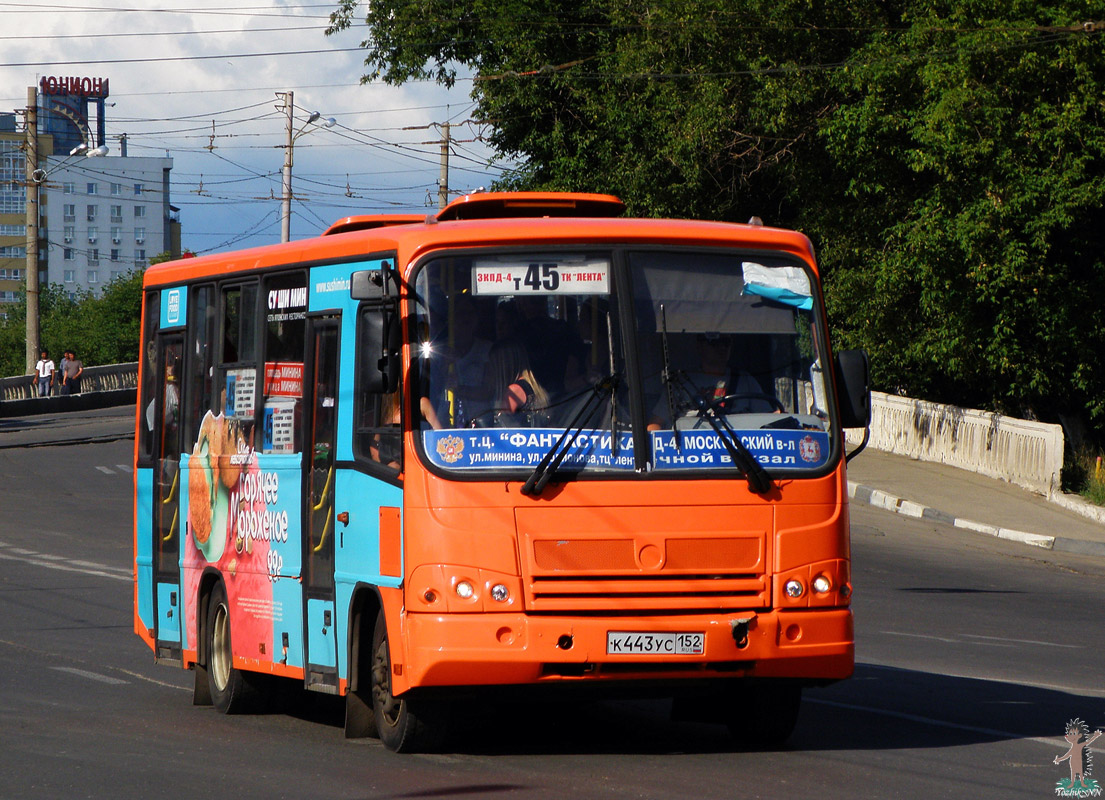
1084,474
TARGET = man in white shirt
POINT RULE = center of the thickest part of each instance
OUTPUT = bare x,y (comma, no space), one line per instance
44,374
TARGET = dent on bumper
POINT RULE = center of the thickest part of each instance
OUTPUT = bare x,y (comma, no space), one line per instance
471,650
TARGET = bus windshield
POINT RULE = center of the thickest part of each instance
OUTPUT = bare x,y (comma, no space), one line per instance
621,360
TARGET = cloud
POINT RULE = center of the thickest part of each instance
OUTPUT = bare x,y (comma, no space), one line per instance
201,86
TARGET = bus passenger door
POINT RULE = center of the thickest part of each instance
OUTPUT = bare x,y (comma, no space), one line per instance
321,429
167,524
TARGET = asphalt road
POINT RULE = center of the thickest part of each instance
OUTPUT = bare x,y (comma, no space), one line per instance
972,655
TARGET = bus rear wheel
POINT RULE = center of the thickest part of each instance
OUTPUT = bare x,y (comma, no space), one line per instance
232,691
406,724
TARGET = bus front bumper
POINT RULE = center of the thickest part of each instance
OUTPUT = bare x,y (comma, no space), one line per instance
816,645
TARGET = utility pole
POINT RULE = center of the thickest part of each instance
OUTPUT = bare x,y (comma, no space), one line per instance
286,197
443,180
31,159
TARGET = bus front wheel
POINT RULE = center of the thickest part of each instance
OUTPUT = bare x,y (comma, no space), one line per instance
762,716
231,690
405,724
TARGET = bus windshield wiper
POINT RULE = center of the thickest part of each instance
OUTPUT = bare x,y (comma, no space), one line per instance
758,479
551,461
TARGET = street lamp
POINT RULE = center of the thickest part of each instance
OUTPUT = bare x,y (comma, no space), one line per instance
286,195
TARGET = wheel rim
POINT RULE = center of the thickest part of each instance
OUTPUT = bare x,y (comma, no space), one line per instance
387,706
220,647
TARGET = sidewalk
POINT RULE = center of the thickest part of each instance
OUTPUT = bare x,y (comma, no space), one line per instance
973,502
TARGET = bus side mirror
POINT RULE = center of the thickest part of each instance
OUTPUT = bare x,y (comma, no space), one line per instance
374,284
381,341
853,383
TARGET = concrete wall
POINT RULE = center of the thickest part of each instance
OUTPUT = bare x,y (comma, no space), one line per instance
1028,454
101,387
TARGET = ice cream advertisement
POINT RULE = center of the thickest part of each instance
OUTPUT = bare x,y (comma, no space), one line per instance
241,509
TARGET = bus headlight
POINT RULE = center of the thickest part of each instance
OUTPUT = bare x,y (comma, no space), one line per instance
822,584
794,589
455,589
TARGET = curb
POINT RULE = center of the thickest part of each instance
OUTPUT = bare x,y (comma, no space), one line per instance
909,508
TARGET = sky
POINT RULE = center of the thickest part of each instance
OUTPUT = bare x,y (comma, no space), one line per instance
198,82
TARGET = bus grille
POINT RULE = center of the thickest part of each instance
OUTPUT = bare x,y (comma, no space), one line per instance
627,593
661,560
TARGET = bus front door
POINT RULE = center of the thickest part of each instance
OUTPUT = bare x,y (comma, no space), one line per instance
167,524
322,396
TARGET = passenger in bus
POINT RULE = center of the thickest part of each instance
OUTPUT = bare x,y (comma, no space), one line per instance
387,446
520,392
519,398
715,379
553,346
458,366
469,354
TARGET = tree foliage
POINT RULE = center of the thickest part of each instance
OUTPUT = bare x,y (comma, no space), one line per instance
948,158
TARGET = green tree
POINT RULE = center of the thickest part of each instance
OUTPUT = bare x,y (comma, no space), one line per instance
965,225
946,157
102,329
682,108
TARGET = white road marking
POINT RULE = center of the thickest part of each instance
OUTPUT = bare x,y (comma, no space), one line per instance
106,471
83,567
92,676
124,467
1021,641
151,680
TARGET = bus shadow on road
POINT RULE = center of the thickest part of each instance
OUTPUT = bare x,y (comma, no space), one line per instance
886,708
880,708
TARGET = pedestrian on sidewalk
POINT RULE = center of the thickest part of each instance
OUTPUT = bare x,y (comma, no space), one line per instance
71,369
44,375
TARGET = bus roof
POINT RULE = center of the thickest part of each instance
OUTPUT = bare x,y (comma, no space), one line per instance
484,220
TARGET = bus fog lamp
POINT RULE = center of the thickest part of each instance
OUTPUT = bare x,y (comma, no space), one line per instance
822,584
794,588
465,591
499,593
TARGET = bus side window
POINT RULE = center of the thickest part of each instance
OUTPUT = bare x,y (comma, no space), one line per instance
236,387
150,325
200,354
378,437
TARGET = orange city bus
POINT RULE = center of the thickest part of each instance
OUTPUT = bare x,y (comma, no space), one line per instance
525,442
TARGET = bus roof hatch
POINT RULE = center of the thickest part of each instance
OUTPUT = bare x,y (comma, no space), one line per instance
501,205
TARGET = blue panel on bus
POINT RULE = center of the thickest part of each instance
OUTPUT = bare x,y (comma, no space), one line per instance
357,558
168,612
329,291
174,307
143,525
321,640
287,603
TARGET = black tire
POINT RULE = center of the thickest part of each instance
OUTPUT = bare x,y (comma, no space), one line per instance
762,715
406,724
232,691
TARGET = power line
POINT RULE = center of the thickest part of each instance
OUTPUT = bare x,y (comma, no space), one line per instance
177,33
168,59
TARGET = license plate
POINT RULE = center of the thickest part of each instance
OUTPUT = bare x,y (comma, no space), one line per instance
655,644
